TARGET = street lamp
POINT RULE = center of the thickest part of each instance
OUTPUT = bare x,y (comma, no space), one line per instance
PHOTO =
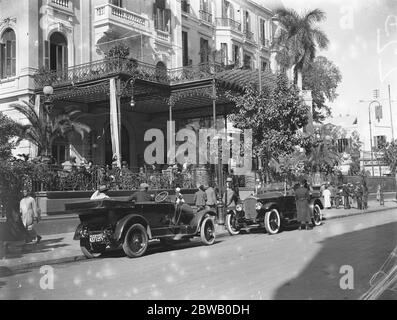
370,132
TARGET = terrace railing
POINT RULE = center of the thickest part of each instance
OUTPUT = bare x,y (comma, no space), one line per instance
230,23
205,16
114,12
108,67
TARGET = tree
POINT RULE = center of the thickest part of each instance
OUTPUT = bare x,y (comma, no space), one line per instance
274,118
299,40
389,152
42,133
322,77
9,129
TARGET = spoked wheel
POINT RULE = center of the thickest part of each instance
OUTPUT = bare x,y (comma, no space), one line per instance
272,221
135,241
89,251
317,216
231,222
207,231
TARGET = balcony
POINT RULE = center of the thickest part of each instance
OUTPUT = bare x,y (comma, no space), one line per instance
110,15
228,23
61,5
266,43
249,36
102,69
163,35
205,16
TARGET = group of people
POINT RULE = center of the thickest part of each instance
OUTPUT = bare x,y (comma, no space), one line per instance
346,193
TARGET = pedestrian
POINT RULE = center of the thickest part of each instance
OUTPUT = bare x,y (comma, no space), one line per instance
327,198
29,214
381,195
230,198
359,196
365,195
345,194
235,183
101,193
211,196
200,198
302,197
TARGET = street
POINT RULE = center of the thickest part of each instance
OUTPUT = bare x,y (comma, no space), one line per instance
291,265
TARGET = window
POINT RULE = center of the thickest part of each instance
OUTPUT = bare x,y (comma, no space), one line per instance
8,54
205,11
185,6
247,22
56,52
265,65
185,48
227,10
379,141
117,3
224,53
161,16
204,50
247,61
236,55
264,39
343,144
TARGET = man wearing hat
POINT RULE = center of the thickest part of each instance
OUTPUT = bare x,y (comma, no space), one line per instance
142,195
101,193
200,198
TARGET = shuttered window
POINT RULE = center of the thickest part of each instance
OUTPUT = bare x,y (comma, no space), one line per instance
8,54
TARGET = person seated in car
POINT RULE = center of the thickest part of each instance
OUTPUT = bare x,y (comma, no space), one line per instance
200,198
101,193
179,197
142,195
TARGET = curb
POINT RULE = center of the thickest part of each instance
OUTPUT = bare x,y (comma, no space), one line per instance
221,232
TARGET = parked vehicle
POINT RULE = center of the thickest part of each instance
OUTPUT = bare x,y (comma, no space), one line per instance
271,210
110,224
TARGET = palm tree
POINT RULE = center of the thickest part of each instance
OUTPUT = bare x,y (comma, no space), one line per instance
299,39
42,133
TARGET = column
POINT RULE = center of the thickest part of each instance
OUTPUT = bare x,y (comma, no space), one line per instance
115,126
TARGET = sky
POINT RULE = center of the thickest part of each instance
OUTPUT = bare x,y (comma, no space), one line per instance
363,44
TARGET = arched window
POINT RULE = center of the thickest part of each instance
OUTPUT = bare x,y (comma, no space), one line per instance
56,52
8,54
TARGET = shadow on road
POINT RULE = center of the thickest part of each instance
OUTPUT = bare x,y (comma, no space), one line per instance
364,250
19,250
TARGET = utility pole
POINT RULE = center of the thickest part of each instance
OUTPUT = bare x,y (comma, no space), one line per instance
391,116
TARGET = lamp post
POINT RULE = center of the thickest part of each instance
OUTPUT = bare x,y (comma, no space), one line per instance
48,91
370,133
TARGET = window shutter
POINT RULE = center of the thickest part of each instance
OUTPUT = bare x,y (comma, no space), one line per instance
160,4
2,60
245,20
65,58
167,19
46,55
155,16
13,58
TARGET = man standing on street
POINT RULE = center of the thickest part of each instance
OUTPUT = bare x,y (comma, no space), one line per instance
28,210
211,197
302,197
200,198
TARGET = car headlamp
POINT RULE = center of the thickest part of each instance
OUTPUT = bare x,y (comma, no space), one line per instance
258,206
239,207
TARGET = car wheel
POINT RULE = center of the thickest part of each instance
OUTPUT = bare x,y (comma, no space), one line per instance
272,221
135,241
231,224
207,231
87,250
317,217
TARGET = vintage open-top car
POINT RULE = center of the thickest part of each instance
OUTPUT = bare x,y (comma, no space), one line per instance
271,210
112,224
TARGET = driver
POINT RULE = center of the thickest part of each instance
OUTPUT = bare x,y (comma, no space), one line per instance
142,195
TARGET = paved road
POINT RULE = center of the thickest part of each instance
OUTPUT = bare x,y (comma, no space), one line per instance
291,265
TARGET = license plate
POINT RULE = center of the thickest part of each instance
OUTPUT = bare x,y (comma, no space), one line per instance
96,238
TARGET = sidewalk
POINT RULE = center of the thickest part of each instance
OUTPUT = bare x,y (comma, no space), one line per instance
61,248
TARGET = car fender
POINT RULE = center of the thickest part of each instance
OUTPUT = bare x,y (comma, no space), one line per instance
270,205
126,222
313,202
77,233
200,216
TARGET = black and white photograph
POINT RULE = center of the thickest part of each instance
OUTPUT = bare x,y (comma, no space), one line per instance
212,152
